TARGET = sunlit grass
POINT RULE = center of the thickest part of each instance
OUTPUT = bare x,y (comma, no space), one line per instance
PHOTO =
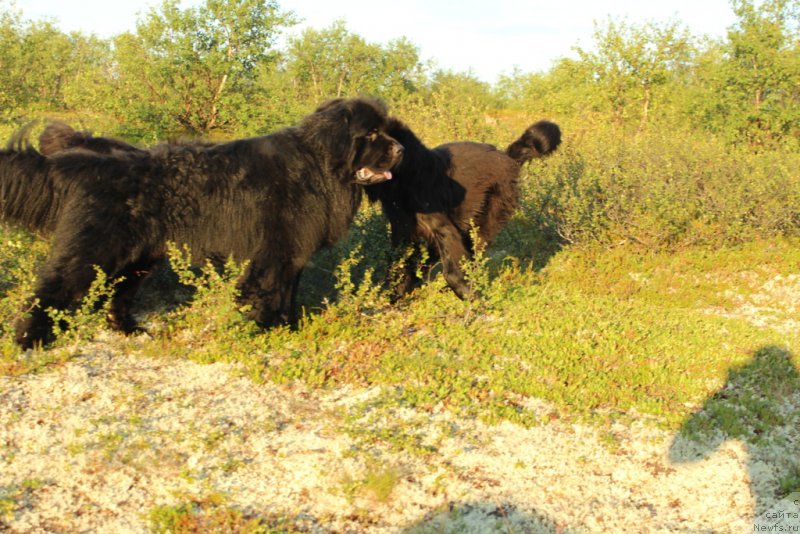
598,333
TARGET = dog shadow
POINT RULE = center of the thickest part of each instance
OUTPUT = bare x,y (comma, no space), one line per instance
759,405
531,244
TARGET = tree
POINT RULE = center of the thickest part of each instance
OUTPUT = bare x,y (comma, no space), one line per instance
12,91
631,63
194,70
40,64
756,84
333,62
453,105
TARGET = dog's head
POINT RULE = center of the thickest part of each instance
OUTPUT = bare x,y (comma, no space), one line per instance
356,131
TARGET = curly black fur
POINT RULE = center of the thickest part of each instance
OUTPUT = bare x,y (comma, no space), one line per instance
437,193
272,200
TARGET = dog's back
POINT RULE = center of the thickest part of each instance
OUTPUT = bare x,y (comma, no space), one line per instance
491,177
490,181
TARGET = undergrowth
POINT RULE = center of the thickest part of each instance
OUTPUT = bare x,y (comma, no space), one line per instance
597,335
211,513
620,286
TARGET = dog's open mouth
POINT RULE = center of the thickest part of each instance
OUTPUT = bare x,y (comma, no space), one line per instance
367,176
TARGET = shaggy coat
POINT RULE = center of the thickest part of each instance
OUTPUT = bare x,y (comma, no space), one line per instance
271,200
437,193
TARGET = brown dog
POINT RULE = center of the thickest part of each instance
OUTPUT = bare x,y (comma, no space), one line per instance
436,194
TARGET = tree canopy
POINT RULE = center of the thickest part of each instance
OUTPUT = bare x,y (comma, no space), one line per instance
222,69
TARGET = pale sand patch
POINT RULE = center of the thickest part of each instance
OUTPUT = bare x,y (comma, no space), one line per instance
775,304
108,437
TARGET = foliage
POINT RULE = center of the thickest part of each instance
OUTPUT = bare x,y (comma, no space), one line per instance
13,497
674,196
453,106
335,63
194,70
216,70
42,68
755,82
71,327
662,190
377,483
595,335
599,333
212,324
209,513
631,63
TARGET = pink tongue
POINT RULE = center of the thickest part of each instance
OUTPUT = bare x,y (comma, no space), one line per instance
388,175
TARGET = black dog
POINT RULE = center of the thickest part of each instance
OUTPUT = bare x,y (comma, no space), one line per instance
272,200
437,193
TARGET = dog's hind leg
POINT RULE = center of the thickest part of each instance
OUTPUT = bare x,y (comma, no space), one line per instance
119,315
79,244
451,248
404,273
294,316
58,286
402,277
269,290
498,207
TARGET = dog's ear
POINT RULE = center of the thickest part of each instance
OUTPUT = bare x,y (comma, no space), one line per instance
58,136
334,119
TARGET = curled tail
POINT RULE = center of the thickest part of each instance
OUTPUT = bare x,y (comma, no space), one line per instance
59,137
28,195
539,140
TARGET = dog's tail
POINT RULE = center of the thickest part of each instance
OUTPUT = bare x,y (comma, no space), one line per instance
28,195
59,137
539,140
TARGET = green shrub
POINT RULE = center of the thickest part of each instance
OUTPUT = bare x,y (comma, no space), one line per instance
74,326
212,325
661,189
210,513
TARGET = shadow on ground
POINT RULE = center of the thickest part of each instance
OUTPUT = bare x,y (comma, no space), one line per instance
759,405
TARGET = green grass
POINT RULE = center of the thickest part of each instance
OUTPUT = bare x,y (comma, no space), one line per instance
376,483
600,334
16,497
210,513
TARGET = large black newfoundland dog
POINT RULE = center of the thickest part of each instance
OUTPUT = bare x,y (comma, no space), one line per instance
271,200
436,194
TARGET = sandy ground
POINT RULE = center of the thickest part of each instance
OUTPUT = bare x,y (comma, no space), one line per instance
95,444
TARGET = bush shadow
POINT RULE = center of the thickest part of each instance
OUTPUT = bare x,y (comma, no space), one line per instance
525,241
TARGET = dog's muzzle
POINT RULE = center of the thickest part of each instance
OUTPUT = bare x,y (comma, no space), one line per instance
367,176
